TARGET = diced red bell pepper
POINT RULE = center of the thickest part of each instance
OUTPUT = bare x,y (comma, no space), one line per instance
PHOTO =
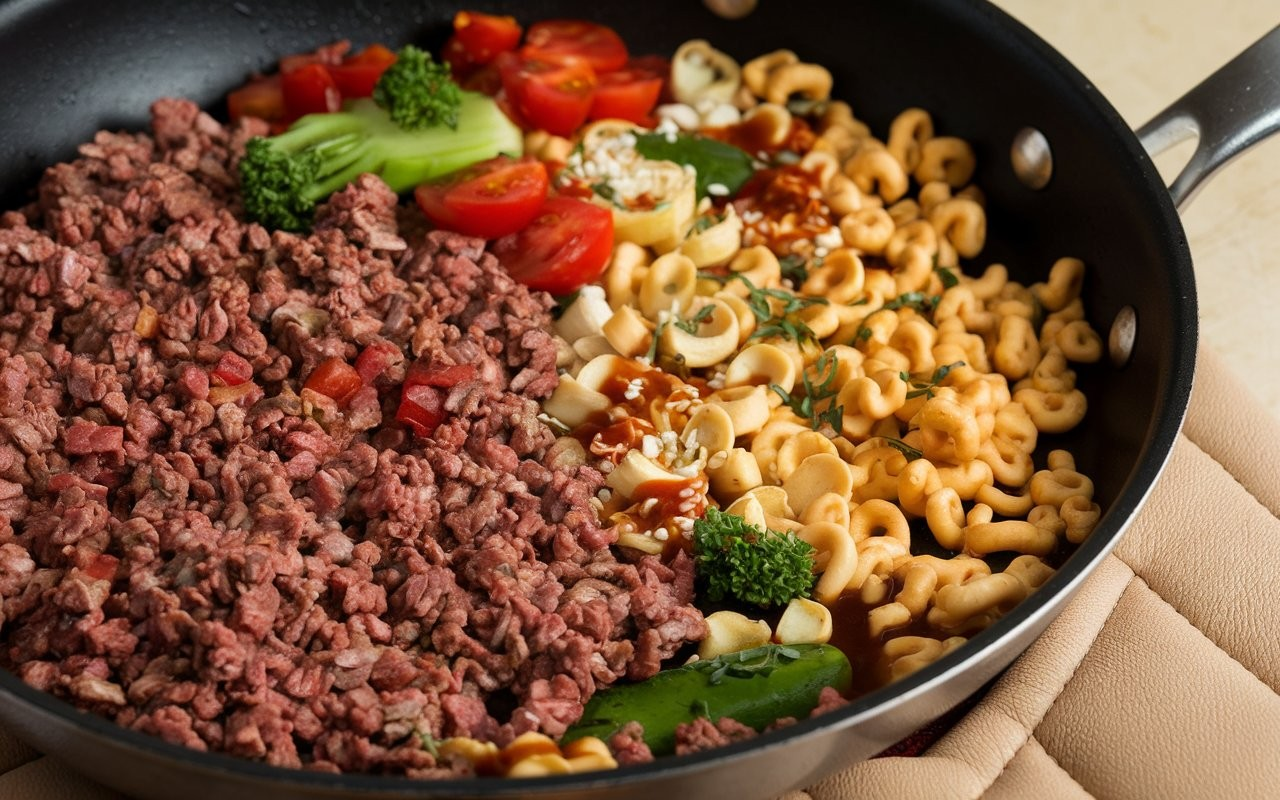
421,408
423,394
231,370
376,359
334,378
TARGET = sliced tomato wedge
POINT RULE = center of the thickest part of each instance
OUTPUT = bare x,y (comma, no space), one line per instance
262,98
334,378
628,93
310,90
484,36
232,370
557,39
658,65
552,96
490,199
566,246
358,74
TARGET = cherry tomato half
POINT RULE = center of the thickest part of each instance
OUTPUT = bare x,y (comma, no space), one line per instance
628,94
555,40
484,36
358,74
490,199
552,96
334,378
567,245
260,98
310,90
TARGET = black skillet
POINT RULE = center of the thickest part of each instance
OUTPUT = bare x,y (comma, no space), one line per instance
73,66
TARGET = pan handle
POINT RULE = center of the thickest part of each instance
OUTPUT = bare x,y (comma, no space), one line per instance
1231,110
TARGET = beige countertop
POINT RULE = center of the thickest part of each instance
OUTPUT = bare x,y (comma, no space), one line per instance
1144,54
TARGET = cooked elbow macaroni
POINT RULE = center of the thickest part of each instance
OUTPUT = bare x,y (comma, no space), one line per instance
879,402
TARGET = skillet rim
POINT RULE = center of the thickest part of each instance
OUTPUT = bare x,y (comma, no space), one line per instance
1173,398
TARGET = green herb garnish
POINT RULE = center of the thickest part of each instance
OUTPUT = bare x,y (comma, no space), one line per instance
691,324
902,447
926,387
751,564
760,661
712,161
804,405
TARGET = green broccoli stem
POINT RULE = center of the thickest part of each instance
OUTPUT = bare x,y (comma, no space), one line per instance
321,153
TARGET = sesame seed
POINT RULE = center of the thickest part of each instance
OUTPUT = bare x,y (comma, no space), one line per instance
648,505
685,493
605,495
661,534
717,190
718,460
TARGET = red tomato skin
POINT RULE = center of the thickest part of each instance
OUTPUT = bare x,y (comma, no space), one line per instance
310,90
334,378
490,199
358,74
376,359
567,246
599,45
262,98
484,36
231,370
554,97
628,94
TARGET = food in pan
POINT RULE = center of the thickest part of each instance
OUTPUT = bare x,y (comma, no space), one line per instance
660,412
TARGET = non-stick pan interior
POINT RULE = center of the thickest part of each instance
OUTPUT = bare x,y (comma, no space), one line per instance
74,66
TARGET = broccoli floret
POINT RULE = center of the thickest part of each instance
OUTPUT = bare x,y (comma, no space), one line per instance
743,561
283,177
417,92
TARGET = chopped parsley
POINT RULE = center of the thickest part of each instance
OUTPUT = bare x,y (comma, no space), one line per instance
751,564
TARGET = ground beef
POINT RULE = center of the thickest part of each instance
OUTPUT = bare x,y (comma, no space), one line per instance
251,568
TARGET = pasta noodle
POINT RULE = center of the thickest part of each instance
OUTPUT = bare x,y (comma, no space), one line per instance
887,397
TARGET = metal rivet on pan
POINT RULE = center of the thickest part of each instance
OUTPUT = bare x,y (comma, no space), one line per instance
1032,158
730,9
1124,332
